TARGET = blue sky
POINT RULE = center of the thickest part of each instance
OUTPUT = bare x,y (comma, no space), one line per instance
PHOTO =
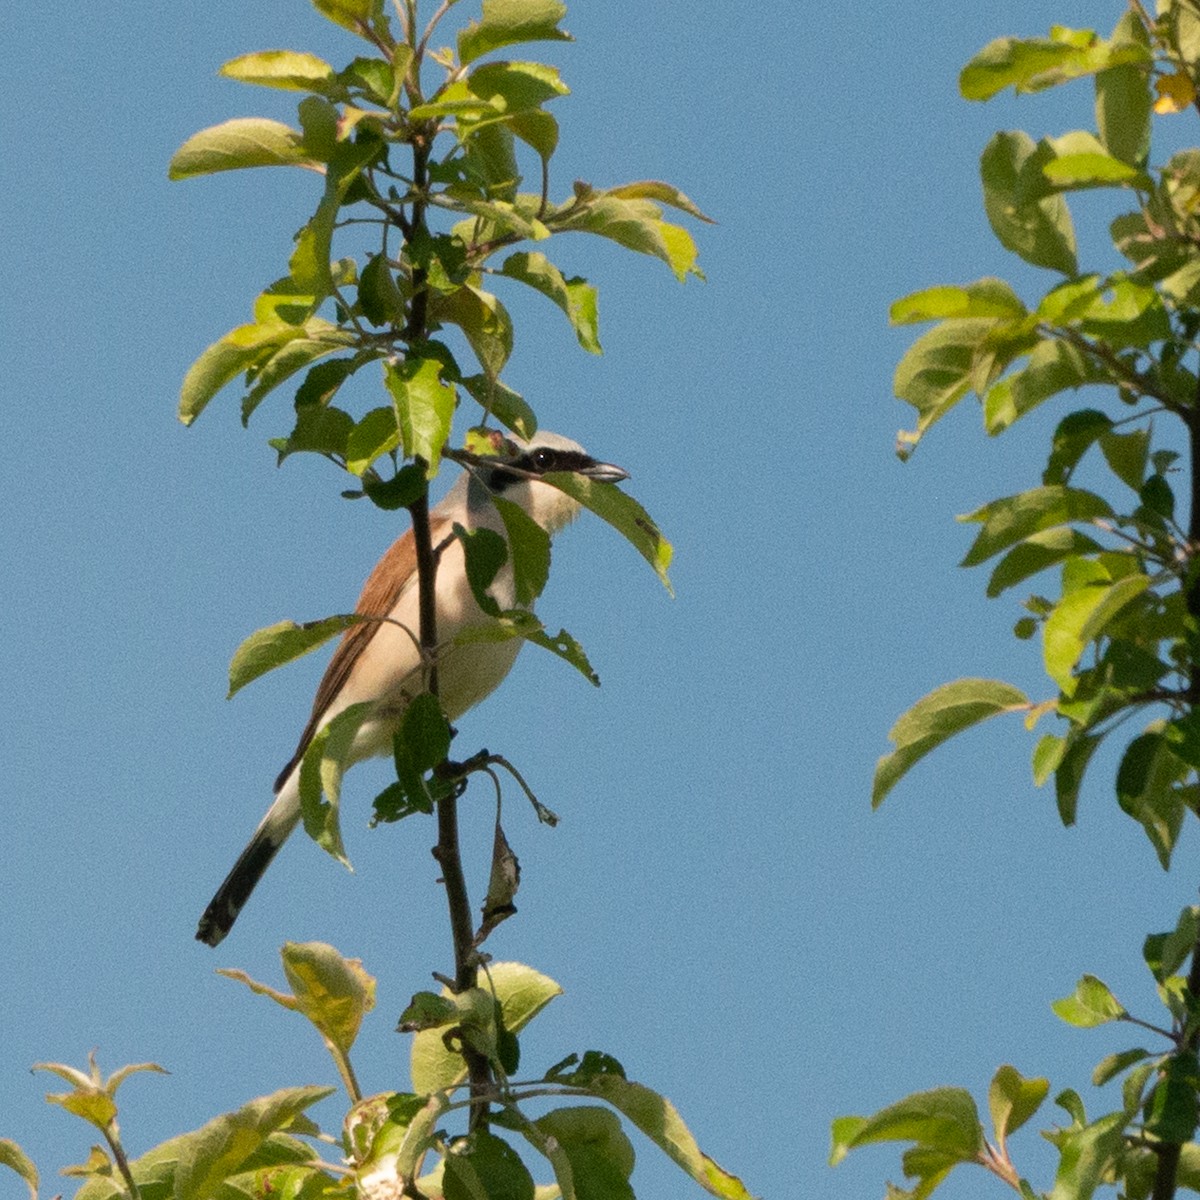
724,911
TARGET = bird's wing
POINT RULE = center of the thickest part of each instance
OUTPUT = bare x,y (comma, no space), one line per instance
395,572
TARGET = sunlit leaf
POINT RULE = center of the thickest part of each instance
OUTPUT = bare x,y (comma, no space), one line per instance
424,407
1013,518
935,372
1123,98
1013,1099
321,769
293,70
522,993
1025,217
944,1119
576,297
1080,617
509,22
333,992
355,15
937,717
1092,1003
275,645
623,513
1037,552
240,143
13,1157
983,298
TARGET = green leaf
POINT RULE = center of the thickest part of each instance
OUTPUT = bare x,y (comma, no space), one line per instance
983,298
309,264
269,648
13,1157
325,761
576,297
1076,434
943,1119
1026,219
375,435
1068,776
240,143
1025,64
482,1166
1036,553
623,513
424,407
935,372
1157,496
1012,519
1165,953
1127,455
522,993
664,193
509,22
1032,64
1080,160
401,491
600,1155
636,224
320,339
936,718
1112,1065
376,77
293,70
379,296
1013,1099
1079,618
536,129
484,321
528,550
238,351
225,1146
1047,757
421,743
1053,367
356,15
657,1118
501,402
1174,1110
333,992
1091,1004
1123,99
318,431
1146,790
515,87
485,552
1086,1156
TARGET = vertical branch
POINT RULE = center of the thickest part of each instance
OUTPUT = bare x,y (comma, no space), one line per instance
447,852
1166,1175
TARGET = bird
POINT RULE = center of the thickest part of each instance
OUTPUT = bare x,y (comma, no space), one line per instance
380,661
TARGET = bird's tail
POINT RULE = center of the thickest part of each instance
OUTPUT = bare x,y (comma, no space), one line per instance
282,817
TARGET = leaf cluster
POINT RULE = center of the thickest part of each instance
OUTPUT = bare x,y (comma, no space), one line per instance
1111,531
1118,628
1159,1106
396,1143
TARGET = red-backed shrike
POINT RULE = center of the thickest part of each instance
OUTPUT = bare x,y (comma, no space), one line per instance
379,661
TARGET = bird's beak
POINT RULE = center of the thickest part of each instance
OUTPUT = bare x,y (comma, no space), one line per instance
604,473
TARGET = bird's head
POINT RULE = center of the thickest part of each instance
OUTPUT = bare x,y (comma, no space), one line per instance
516,477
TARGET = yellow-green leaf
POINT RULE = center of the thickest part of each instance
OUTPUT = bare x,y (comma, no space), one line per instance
240,143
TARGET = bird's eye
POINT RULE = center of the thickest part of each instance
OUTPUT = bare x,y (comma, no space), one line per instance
542,460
